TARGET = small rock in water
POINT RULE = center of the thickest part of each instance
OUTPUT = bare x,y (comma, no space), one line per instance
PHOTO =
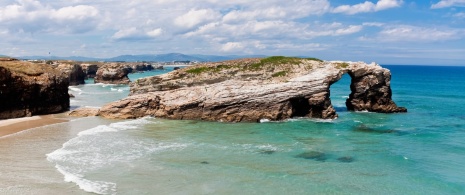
267,151
346,159
313,155
204,162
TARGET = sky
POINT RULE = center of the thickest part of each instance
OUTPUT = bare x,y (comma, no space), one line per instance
422,32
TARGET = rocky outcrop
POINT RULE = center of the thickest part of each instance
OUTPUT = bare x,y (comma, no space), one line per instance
113,73
73,72
90,70
28,89
141,67
274,88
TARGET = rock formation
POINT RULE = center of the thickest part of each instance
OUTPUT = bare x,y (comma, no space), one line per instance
113,73
138,67
274,88
73,72
90,70
28,89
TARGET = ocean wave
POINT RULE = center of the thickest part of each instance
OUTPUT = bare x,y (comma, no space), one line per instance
98,187
103,147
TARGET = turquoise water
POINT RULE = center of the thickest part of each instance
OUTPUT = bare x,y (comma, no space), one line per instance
419,152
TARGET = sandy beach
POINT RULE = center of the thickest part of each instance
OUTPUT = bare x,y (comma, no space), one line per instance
11,126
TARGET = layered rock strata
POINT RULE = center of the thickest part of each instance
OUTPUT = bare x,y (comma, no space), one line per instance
113,73
28,89
274,88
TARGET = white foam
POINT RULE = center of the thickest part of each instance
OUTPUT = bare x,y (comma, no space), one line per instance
97,130
98,187
113,89
74,89
265,120
120,90
93,151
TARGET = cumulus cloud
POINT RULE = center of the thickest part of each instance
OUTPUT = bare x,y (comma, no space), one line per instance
367,6
448,3
33,16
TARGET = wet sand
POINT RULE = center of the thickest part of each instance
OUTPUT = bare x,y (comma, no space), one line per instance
11,126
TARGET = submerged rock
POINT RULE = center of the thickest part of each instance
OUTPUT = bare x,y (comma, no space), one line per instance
313,155
346,159
274,88
267,151
28,89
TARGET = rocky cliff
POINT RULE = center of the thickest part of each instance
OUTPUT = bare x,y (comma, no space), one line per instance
274,88
113,73
73,72
28,89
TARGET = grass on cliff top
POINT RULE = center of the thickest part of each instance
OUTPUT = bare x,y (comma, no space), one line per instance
342,65
277,60
270,61
24,67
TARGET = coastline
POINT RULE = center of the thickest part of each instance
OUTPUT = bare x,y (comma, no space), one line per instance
12,126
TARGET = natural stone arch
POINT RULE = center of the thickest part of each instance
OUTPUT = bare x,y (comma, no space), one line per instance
255,89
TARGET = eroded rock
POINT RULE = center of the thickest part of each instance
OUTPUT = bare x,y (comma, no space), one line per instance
73,72
113,73
28,89
275,88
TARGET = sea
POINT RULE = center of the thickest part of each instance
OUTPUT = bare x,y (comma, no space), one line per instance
418,152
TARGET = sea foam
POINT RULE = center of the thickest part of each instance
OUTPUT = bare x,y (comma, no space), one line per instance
103,147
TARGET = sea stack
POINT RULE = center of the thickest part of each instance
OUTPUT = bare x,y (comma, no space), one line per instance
113,73
250,90
28,89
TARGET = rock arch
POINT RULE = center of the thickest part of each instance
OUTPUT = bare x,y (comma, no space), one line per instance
249,91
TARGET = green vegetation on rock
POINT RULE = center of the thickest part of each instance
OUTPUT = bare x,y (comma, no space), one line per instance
269,64
342,65
280,74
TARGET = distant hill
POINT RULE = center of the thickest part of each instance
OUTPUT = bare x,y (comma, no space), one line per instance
156,58
169,57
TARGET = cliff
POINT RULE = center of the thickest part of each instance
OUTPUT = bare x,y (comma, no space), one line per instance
274,88
73,72
28,89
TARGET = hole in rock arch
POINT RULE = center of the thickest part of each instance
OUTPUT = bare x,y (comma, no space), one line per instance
339,93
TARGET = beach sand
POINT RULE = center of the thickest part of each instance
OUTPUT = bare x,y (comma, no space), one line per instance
11,126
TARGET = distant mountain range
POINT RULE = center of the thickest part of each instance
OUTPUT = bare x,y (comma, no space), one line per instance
169,57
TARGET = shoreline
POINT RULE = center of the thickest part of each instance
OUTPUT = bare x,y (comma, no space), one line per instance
12,126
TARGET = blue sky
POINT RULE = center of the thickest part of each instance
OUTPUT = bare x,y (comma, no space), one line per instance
430,32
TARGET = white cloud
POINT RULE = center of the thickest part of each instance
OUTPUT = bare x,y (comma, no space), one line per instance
155,33
232,47
367,6
134,33
460,15
407,33
448,3
196,17
33,16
